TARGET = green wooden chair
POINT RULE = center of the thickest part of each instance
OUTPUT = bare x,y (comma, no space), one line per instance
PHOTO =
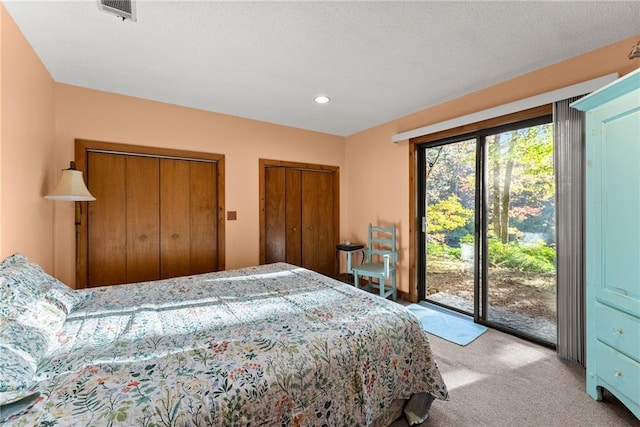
379,265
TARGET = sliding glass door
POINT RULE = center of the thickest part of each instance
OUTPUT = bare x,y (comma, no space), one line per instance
449,223
520,238
488,241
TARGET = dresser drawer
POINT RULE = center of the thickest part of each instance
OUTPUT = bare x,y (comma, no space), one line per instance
618,372
618,330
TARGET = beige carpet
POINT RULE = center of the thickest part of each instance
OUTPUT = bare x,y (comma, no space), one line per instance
500,380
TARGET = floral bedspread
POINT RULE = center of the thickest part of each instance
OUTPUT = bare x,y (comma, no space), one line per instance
266,345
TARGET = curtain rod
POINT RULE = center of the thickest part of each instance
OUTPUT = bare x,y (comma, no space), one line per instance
511,107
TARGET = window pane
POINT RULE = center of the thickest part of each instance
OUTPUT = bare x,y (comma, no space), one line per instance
521,278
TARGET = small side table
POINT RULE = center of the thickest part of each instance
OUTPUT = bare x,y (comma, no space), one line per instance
349,249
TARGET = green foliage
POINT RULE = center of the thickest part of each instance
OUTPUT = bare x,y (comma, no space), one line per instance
541,251
447,214
467,238
537,258
443,250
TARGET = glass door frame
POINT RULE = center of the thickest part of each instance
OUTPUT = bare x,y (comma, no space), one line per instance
481,241
422,214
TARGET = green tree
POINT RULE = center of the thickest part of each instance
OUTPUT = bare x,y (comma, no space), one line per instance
450,169
520,167
447,215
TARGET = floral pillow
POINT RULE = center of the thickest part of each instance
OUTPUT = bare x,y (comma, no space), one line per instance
33,308
62,294
42,315
21,348
34,299
16,376
23,282
25,341
12,260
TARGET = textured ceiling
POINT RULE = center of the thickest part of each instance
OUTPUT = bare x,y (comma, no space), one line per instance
267,60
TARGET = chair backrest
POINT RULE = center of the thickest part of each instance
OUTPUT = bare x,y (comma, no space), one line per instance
382,241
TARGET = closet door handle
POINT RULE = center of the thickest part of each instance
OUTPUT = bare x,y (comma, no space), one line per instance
175,235
143,237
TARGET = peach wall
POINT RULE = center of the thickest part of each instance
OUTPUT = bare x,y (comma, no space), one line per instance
26,147
385,197
90,114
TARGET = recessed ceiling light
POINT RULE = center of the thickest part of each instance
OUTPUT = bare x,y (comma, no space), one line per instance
322,99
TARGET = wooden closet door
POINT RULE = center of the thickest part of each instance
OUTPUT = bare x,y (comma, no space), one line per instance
142,218
123,224
203,204
283,233
106,221
188,227
275,219
175,221
318,246
293,213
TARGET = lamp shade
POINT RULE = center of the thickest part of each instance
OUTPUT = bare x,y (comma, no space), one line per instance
71,187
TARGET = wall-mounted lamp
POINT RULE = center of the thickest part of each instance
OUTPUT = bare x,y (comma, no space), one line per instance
71,187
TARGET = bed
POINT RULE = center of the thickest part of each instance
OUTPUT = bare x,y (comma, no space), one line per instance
267,345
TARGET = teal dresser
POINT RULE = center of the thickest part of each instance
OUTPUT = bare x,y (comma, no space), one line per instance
613,240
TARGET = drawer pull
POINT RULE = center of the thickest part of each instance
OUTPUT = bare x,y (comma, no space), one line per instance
618,373
617,331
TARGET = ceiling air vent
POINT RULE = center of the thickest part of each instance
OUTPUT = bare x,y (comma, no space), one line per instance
125,9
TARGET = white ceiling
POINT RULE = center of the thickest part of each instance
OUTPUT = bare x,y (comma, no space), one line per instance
378,61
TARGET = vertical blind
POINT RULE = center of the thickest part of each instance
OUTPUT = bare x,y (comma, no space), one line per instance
569,157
